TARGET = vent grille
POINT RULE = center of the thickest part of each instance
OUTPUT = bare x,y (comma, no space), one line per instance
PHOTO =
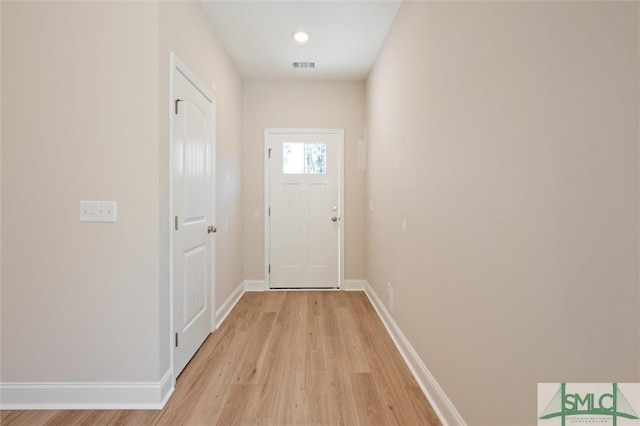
304,64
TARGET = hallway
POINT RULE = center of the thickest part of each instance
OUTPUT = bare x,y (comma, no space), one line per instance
489,209
282,358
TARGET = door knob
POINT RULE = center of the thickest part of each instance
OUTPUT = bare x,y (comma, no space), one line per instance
334,219
211,229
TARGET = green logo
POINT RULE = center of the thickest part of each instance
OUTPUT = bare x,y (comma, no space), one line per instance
587,404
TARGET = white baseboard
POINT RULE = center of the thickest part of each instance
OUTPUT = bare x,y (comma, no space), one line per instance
255,285
354,285
439,401
84,396
227,306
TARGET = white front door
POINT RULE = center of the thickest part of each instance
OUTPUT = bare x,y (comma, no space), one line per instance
305,202
192,157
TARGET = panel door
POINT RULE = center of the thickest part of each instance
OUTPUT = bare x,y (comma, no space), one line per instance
305,217
193,207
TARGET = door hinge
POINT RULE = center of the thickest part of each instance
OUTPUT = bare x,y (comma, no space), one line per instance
175,104
269,211
269,268
269,152
176,340
176,223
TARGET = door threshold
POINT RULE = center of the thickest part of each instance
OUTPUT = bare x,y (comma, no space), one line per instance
305,289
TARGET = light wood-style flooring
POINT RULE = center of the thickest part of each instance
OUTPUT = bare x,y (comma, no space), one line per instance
282,358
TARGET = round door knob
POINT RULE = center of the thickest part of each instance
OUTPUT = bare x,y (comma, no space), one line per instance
211,229
334,219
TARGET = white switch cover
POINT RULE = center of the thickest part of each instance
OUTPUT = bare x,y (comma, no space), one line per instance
98,211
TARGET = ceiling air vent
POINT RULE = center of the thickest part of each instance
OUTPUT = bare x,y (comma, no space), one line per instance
304,64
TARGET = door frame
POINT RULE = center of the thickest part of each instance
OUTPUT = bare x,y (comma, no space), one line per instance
267,197
176,65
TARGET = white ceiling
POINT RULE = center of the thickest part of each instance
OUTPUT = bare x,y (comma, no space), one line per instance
345,36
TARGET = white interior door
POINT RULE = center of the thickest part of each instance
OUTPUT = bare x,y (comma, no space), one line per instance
305,203
193,209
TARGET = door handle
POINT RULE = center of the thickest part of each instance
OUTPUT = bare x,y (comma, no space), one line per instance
334,219
211,229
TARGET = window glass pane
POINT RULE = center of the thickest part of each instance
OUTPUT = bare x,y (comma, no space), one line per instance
304,158
315,158
292,158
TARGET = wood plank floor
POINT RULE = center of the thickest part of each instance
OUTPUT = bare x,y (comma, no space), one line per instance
282,358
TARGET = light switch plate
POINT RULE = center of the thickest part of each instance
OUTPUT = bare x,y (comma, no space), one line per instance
98,211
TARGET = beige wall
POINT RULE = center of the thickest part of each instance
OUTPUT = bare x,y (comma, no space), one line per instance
185,30
506,135
88,86
274,104
0,180
79,112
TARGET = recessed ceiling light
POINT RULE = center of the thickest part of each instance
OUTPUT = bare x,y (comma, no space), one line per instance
301,36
